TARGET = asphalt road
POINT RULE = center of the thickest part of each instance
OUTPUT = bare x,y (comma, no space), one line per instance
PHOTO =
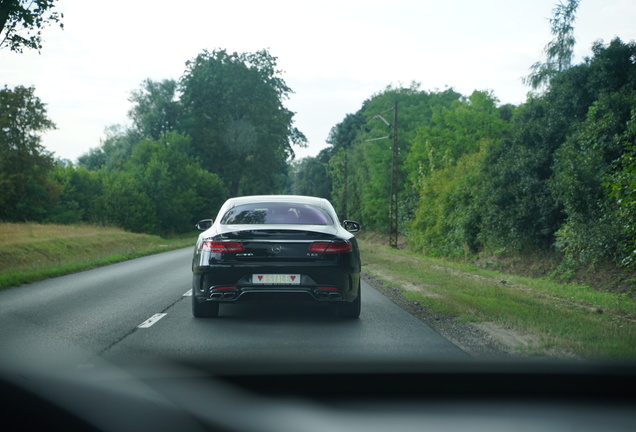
112,312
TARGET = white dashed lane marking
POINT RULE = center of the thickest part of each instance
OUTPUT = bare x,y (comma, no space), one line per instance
156,317
150,321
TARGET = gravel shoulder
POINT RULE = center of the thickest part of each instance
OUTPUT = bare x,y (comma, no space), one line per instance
483,340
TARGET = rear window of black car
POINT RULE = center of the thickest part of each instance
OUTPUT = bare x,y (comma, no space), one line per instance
276,213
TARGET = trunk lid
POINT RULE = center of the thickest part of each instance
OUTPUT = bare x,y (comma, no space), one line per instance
274,243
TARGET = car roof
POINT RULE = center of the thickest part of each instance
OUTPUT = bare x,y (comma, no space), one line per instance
296,199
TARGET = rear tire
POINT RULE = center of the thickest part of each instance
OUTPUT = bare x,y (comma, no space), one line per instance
205,309
350,310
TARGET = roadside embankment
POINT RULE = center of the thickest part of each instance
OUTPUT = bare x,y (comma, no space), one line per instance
489,313
30,252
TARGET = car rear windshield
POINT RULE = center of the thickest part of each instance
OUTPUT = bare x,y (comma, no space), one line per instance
276,213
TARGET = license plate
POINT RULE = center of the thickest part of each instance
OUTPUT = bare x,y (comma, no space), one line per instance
276,279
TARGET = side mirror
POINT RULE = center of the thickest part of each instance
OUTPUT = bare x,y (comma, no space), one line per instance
351,226
204,224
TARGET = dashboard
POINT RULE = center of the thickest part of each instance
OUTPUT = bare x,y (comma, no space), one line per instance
325,396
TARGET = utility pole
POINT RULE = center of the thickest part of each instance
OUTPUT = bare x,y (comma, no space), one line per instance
393,207
345,192
395,166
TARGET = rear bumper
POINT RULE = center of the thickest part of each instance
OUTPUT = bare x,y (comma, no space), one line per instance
260,294
318,283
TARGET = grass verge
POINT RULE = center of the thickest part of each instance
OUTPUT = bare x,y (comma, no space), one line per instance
556,319
33,252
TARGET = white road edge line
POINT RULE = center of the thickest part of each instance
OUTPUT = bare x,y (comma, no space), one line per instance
188,293
150,321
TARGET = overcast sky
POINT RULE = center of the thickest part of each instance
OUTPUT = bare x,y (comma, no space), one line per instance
334,54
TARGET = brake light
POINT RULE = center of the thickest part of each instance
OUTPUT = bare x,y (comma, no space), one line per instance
222,246
330,247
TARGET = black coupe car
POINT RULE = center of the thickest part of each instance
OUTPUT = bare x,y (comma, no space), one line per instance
276,247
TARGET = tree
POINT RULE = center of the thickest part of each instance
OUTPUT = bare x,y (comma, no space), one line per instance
309,176
161,189
592,168
25,189
454,130
234,112
156,108
114,151
368,166
622,186
125,204
448,216
545,185
583,166
518,210
78,201
342,137
560,50
22,21
447,171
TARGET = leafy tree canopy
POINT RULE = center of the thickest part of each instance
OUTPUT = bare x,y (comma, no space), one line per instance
25,191
559,51
156,108
234,112
22,21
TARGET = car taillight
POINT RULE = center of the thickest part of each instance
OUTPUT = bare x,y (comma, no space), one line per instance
222,246
330,247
